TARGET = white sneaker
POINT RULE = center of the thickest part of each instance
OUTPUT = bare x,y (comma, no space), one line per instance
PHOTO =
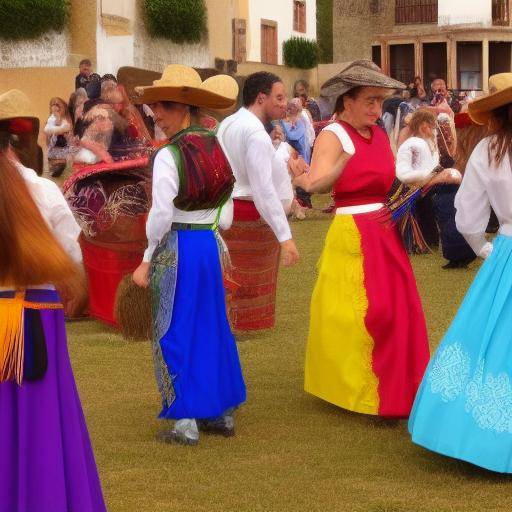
185,431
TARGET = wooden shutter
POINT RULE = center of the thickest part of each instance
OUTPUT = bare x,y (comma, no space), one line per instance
299,15
239,40
268,42
501,12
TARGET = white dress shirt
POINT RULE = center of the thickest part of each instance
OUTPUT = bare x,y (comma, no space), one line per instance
56,213
415,160
484,186
163,213
250,152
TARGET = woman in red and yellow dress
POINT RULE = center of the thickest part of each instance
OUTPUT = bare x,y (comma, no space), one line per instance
367,347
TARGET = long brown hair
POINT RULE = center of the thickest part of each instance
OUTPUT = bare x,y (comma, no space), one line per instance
29,253
500,130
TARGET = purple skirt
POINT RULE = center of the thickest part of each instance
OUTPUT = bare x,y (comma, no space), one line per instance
46,459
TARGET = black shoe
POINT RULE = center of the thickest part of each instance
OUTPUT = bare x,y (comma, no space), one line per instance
458,264
223,426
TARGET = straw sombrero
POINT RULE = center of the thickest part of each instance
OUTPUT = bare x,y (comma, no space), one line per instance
500,93
15,104
360,73
183,84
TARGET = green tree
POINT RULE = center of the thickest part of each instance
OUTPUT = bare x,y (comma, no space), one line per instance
181,21
299,52
29,19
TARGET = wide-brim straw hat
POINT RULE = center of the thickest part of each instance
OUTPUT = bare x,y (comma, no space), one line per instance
15,104
182,84
360,73
500,93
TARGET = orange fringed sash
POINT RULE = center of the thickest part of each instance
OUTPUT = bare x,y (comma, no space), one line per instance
12,342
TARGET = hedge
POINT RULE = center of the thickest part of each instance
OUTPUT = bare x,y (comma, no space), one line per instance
29,19
299,52
181,21
324,29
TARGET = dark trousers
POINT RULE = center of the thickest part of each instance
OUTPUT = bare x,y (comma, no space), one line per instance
455,247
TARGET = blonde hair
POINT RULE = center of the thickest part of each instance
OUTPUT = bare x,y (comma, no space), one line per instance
418,118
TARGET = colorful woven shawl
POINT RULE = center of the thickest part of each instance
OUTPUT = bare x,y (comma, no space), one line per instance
206,179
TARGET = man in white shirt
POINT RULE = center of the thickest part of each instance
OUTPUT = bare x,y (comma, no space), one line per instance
260,228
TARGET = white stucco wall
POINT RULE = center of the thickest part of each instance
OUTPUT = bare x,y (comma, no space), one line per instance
155,54
456,12
280,11
139,49
49,50
113,52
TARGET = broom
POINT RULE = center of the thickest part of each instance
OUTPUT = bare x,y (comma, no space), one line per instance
132,310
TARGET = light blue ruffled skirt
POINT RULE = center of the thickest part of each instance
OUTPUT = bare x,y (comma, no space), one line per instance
463,407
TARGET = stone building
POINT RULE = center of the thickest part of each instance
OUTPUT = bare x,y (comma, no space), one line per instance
462,41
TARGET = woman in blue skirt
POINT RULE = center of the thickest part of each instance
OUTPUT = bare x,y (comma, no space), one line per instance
196,360
463,408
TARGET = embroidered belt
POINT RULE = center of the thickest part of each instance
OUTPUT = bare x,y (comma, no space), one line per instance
183,226
12,336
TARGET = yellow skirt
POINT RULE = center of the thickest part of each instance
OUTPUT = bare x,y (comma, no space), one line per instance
367,347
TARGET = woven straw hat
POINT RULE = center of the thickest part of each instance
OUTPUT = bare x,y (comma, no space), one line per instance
360,73
14,104
500,93
183,84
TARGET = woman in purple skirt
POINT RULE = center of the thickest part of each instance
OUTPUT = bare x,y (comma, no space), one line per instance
46,459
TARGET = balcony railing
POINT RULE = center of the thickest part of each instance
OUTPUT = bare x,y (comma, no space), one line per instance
415,11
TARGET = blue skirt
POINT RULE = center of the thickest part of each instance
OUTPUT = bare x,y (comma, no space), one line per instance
463,407
199,348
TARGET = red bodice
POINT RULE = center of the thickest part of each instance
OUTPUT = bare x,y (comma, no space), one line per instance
369,174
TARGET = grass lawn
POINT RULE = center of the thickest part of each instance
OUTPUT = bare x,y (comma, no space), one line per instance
292,452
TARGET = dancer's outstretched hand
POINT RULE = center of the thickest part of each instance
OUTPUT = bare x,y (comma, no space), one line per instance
141,275
289,253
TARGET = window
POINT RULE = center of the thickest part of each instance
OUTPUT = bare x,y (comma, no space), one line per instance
239,40
415,11
435,62
500,57
401,62
299,16
469,65
268,42
377,55
501,12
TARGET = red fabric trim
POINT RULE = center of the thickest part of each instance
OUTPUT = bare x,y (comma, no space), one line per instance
463,120
81,171
394,319
245,211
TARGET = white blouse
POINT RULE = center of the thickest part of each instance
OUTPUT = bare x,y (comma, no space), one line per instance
163,213
484,186
54,210
415,160
250,153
